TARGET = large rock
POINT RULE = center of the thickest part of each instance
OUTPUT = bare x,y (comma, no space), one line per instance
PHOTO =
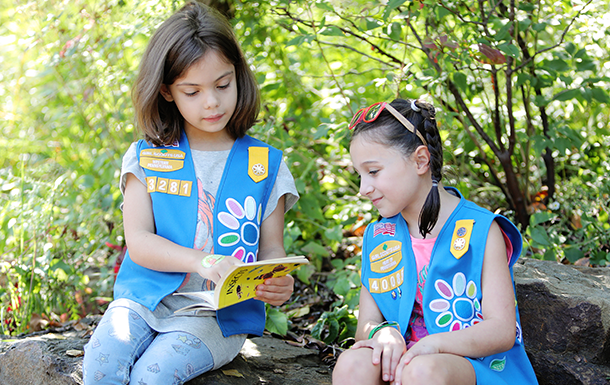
56,359
565,314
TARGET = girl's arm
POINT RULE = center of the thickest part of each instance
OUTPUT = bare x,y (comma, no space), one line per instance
497,332
275,291
152,251
388,344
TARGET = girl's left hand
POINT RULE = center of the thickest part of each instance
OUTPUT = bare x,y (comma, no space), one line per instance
276,291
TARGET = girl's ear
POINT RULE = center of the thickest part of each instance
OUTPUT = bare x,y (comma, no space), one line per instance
421,156
167,95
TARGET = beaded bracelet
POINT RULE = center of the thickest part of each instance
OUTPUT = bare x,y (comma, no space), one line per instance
383,325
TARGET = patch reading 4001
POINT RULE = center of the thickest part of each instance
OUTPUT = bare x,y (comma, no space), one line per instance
386,256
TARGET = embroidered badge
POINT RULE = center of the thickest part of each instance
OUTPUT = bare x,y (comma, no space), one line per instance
387,283
169,186
162,160
461,237
498,365
387,264
385,249
384,229
459,306
258,163
245,221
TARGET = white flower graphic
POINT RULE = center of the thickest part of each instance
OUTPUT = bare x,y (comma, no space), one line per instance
458,308
245,221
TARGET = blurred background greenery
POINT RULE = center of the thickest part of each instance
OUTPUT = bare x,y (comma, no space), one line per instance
521,90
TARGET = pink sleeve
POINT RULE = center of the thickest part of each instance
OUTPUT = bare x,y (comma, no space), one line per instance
509,245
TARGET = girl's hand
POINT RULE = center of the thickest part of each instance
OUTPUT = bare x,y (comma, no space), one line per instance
214,266
276,291
426,345
388,347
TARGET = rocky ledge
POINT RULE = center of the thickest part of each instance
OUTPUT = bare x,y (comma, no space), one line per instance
565,314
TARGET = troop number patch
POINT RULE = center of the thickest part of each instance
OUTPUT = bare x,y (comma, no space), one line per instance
169,186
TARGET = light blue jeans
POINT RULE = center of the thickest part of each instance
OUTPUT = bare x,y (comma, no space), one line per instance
124,349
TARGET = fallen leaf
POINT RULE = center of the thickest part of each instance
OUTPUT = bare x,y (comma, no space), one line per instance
232,373
75,353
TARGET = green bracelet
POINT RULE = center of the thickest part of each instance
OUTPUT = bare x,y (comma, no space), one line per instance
383,325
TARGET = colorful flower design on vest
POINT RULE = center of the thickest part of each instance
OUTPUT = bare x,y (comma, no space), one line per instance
458,308
245,221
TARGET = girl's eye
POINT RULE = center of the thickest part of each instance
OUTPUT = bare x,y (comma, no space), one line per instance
373,172
191,93
225,86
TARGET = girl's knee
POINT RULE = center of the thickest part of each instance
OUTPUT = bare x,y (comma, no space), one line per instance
353,366
437,369
423,370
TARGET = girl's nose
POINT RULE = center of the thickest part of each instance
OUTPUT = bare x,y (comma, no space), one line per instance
365,188
210,101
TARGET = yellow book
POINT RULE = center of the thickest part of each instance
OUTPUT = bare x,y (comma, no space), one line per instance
240,281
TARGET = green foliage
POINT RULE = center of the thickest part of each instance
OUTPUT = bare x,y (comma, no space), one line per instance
520,93
335,326
277,322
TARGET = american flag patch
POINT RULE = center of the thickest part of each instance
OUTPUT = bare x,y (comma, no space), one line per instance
384,229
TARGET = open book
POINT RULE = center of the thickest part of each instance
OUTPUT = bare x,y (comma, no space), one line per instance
240,281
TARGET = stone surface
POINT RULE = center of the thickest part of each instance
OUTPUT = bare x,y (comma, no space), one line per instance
565,314
54,359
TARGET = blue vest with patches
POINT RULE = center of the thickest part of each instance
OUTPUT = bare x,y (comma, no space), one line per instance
238,210
452,292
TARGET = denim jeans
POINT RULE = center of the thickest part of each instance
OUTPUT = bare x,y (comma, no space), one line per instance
124,349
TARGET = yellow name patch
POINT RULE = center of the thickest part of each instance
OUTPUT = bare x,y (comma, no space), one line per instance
385,249
162,160
387,283
169,186
387,264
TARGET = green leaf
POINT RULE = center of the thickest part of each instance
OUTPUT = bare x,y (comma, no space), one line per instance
567,95
509,49
315,248
324,6
558,65
392,4
372,24
549,255
342,287
573,254
586,65
538,218
277,322
570,48
395,31
539,26
460,81
539,235
331,30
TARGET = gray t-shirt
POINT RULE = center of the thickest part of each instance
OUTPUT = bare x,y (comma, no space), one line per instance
209,166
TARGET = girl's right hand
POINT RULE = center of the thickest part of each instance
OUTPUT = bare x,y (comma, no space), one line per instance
214,266
388,347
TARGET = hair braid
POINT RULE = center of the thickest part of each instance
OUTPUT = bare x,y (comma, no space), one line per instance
429,214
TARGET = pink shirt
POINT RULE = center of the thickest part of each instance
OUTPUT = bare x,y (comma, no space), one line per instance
422,249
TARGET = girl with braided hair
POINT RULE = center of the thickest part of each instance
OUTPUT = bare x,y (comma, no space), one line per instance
437,303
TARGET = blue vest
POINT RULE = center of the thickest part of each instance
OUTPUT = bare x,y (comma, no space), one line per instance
452,293
247,180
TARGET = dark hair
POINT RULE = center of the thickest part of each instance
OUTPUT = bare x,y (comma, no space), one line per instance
180,41
388,131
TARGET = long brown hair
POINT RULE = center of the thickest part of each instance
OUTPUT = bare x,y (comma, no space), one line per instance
180,41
